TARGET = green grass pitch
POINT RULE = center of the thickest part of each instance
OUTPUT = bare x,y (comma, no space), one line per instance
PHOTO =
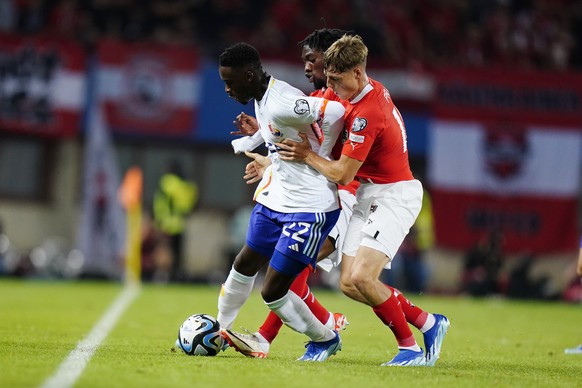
491,343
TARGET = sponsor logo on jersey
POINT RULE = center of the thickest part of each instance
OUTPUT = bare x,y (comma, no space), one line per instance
359,124
301,107
356,138
274,131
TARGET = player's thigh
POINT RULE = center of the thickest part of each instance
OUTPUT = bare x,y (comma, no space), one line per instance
393,210
368,264
248,261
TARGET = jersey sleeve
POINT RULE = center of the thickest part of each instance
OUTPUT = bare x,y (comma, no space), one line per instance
247,143
363,129
300,110
332,120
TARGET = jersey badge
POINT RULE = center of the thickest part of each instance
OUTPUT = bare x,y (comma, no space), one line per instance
301,107
359,124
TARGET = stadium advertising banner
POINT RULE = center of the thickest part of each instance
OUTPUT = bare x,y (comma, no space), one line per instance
42,86
505,154
148,90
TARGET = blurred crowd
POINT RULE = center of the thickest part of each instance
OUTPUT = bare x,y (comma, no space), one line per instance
523,34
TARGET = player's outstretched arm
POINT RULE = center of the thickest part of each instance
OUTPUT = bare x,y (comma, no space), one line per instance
247,143
342,171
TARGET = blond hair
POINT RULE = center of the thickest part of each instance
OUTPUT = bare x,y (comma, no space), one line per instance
345,53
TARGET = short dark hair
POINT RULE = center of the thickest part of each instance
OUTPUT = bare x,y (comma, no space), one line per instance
320,40
239,55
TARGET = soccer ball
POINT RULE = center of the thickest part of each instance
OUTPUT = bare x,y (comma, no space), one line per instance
199,335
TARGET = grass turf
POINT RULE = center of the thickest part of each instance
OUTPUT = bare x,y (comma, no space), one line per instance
492,342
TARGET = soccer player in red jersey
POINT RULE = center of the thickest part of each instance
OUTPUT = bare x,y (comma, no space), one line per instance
388,199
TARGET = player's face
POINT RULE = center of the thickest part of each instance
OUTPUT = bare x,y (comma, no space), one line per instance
345,85
313,66
237,83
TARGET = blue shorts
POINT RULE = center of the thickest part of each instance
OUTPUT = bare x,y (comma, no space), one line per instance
291,240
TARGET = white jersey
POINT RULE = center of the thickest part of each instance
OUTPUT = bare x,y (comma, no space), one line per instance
282,113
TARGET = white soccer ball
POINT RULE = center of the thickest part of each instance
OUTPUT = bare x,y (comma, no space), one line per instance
199,335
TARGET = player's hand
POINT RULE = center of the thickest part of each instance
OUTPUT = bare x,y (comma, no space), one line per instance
246,125
292,150
255,169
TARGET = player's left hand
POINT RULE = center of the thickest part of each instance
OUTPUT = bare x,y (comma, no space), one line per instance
294,150
246,125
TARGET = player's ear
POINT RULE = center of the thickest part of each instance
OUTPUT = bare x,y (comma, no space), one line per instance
249,75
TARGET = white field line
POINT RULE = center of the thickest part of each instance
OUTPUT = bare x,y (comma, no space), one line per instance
72,367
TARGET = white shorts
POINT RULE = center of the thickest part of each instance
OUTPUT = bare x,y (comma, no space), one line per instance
338,233
382,216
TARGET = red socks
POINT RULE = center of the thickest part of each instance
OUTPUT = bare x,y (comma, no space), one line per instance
390,313
270,328
414,314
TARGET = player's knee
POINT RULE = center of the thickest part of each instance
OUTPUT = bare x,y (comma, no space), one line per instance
348,290
271,294
347,287
361,281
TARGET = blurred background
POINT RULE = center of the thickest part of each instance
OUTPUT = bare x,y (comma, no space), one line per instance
490,91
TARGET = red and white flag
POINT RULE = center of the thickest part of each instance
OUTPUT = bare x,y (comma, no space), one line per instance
149,89
521,179
42,85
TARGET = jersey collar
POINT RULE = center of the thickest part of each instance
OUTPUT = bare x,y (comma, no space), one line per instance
364,91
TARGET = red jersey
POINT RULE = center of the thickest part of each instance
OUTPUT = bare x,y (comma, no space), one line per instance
377,136
337,148
317,93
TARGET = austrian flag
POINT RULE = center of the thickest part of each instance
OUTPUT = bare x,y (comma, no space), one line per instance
151,90
521,179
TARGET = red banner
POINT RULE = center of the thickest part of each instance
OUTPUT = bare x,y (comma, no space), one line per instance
528,224
551,99
42,85
149,90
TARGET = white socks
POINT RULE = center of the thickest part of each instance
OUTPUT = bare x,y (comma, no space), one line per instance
430,321
330,324
295,314
234,293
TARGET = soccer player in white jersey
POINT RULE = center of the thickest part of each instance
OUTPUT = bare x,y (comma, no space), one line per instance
258,344
296,206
